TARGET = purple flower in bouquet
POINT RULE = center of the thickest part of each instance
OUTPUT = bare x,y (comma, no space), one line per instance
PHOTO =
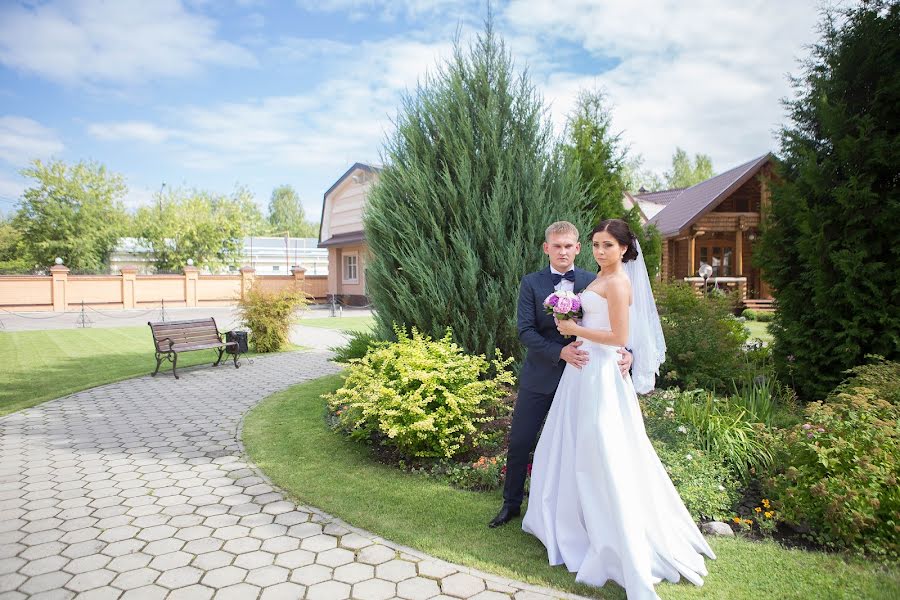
563,305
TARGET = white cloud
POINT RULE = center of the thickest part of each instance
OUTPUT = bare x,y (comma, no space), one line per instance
389,10
23,139
338,122
121,42
301,50
130,130
136,196
704,75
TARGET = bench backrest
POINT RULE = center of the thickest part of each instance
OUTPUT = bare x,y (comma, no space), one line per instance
198,331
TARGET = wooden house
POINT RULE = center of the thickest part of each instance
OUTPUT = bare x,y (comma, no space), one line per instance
715,222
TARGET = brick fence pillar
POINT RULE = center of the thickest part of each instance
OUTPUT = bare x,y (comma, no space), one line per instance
129,276
299,274
59,275
247,276
191,276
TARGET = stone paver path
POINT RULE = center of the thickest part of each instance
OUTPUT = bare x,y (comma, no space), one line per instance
140,489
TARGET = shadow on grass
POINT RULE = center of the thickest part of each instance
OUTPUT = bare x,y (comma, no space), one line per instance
286,436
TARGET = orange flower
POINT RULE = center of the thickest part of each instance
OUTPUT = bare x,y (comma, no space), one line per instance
758,509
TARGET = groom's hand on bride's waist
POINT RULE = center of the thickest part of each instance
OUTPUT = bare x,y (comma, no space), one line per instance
573,355
626,361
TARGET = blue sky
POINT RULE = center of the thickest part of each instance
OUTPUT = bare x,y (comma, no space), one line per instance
215,93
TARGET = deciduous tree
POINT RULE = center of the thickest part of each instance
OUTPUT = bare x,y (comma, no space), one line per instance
198,225
70,211
286,214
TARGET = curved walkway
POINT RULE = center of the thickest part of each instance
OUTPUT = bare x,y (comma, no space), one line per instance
140,489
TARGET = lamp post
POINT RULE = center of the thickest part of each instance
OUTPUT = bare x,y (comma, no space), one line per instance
705,271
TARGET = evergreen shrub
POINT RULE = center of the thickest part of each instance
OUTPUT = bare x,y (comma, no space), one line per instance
831,235
357,346
749,314
472,179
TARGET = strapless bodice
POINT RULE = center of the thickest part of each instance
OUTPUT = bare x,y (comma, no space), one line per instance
596,311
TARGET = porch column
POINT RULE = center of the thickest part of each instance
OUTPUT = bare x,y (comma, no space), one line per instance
739,253
692,246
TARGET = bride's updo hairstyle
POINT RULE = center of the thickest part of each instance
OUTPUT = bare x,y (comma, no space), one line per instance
620,230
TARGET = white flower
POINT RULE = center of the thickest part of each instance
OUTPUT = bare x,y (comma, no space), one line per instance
669,410
689,457
721,488
682,429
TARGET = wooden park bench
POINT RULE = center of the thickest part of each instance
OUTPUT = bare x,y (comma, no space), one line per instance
172,337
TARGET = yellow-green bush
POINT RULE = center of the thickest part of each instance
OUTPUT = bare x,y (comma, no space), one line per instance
840,469
269,316
425,398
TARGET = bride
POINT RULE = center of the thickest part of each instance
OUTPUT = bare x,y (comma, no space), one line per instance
600,500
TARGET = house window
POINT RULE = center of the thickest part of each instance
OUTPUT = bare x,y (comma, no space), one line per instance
719,258
275,268
351,268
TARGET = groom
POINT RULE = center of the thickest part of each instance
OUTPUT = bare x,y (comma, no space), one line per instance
548,353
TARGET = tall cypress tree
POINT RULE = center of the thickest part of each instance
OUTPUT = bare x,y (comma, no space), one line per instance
471,181
596,152
831,245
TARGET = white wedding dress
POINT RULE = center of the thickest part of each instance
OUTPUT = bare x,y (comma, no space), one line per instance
600,500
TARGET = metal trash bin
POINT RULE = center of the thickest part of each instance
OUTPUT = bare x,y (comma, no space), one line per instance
241,338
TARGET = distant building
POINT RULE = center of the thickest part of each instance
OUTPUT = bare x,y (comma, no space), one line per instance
276,255
268,255
341,233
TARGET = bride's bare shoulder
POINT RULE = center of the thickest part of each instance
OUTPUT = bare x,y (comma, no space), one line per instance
619,287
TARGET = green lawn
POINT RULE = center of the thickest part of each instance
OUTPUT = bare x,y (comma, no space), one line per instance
759,330
287,437
340,323
42,365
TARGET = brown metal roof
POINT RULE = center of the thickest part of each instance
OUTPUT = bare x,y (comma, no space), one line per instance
343,239
692,203
660,197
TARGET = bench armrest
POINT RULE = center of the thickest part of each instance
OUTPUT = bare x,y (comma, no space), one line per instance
171,343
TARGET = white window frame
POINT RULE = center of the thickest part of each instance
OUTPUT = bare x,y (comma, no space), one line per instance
345,265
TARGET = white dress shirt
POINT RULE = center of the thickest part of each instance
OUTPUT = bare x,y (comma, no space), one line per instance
564,284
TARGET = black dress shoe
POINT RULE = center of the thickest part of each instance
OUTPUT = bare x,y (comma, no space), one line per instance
506,514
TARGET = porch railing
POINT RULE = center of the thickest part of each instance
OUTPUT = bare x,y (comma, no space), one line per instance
726,284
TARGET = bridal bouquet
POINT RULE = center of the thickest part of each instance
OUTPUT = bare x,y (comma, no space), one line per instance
563,305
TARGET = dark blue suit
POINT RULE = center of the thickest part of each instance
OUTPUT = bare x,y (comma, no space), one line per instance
539,377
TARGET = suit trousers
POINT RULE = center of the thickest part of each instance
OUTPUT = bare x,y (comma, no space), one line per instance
528,417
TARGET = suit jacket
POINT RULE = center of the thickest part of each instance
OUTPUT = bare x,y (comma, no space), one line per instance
542,368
